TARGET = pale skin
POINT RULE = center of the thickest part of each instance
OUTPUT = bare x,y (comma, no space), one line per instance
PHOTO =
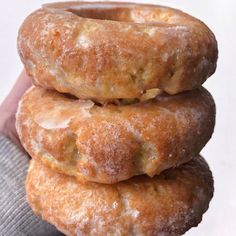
9,107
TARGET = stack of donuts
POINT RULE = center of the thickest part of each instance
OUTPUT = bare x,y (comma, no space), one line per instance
117,117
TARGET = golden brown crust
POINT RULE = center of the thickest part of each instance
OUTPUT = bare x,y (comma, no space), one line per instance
168,204
113,143
139,47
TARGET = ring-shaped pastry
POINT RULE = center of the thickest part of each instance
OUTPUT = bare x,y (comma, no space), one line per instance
111,143
107,51
168,204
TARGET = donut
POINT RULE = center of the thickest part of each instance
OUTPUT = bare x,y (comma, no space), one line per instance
168,204
107,51
111,143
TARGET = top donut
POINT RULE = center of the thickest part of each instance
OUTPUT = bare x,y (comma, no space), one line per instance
106,51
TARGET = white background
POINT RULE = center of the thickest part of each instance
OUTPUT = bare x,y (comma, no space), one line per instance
220,16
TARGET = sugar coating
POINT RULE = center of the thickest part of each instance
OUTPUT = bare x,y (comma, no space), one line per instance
112,143
168,204
68,48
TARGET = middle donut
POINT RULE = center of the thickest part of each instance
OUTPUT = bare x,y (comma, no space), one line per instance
112,143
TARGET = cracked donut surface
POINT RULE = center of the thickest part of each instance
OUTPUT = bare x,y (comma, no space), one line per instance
107,51
168,204
111,143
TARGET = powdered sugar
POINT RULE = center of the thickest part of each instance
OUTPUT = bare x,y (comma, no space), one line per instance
83,41
128,210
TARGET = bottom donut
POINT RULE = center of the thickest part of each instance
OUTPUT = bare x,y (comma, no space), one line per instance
168,204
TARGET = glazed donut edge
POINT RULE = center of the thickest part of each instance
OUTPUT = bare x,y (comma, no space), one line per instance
138,48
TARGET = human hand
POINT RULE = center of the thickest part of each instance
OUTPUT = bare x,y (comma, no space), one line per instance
9,107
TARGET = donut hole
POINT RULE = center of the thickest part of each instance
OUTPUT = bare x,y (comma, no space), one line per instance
122,12
111,14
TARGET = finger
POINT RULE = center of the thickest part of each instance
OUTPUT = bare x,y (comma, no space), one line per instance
22,84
